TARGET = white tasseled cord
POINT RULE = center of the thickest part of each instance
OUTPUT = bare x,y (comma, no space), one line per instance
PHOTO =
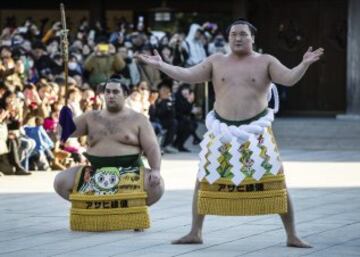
273,91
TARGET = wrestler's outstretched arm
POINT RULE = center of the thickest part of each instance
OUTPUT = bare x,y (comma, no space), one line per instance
150,146
288,77
196,74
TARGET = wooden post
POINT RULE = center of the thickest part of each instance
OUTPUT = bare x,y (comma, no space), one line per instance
65,50
353,59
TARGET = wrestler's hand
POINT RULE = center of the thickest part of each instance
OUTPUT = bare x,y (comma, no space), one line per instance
312,56
153,60
154,178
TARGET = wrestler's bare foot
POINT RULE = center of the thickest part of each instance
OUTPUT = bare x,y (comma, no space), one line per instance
191,238
297,242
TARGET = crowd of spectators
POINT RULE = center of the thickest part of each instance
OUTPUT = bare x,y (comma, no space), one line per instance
32,90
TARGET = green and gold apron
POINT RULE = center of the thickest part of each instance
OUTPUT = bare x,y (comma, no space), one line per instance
109,195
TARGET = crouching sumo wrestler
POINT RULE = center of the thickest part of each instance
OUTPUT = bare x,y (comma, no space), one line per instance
114,192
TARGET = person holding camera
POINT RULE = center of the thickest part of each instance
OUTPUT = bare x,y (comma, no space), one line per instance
7,64
12,118
180,54
103,62
218,45
5,167
194,45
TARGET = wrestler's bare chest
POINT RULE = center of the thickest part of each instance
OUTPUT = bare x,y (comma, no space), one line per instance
240,86
112,130
247,73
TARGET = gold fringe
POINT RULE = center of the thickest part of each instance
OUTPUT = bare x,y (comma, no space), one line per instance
242,204
109,219
224,198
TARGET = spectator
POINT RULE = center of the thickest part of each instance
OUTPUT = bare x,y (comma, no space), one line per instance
102,63
145,94
44,65
133,101
154,119
130,75
195,111
43,149
194,45
166,54
51,122
74,98
5,166
148,73
7,65
179,50
165,111
218,45
183,116
14,121
88,100
26,148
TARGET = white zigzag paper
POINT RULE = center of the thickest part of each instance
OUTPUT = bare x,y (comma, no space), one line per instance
271,152
202,162
213,160
235,162
259,170
212,177
238,178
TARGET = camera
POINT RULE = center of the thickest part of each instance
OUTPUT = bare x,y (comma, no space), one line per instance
104,48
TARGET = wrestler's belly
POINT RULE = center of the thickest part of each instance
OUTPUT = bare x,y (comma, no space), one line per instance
238,111
106,148
239,104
